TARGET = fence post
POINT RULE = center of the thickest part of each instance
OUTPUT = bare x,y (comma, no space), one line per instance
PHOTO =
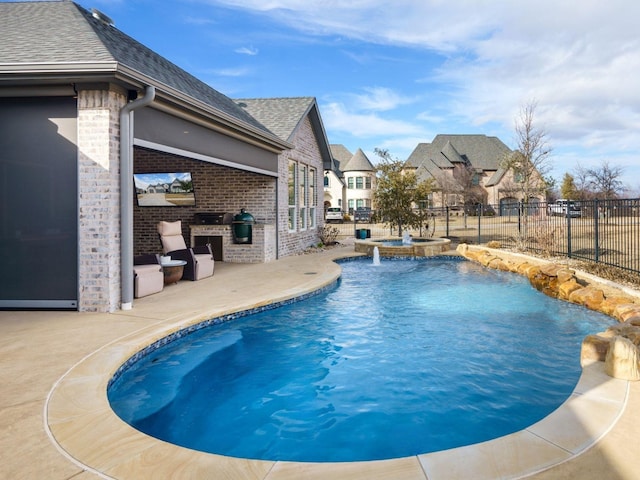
446,214
568,231
596,229
520,217
479,219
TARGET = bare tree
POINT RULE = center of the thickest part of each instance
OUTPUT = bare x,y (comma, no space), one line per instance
605,180
529,163
581,180
599,182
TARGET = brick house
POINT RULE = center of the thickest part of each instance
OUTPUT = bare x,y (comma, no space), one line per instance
297,121
78,120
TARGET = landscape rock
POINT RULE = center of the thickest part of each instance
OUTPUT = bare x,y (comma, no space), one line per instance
565,289
619,345
594,347
623,360
590,297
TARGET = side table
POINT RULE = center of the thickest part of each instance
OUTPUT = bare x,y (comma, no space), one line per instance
173,270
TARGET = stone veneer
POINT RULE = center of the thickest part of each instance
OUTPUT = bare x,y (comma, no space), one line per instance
619,345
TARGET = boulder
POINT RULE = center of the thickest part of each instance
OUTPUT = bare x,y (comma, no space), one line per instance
565,289
611,302
565,275
588,296
498,264
623,360
626,310
594,348
634,320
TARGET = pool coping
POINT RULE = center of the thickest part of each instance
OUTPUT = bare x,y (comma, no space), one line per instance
81,423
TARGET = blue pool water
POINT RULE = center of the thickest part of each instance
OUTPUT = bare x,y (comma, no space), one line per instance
404,358
400,242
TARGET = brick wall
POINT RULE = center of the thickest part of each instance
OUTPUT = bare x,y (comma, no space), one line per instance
217,189
99,199
306,152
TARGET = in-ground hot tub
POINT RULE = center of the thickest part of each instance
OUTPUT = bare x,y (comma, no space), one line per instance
397,247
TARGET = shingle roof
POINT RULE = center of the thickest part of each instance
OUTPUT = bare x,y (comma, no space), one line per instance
280,115
284,116
67,38
341,154
358,163
483,153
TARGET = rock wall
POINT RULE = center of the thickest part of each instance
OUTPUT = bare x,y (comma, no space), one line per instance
619,345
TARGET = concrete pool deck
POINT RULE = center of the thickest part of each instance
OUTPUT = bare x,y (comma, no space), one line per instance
56,424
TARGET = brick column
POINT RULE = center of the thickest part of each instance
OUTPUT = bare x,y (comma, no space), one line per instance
99,198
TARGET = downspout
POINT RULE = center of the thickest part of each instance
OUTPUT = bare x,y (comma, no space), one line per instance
126,195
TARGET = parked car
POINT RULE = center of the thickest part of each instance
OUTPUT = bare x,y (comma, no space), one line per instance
362,214
334,214
564,207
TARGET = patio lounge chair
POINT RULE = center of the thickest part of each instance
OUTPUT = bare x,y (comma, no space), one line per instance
199,259
148,277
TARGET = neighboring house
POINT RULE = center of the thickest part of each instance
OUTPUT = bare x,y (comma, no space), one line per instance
467,170
70,142
298,122
352,181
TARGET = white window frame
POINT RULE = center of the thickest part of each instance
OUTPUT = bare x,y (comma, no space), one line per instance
313,198
303,189
292,195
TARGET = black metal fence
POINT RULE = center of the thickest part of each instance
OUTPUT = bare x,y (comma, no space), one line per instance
602,231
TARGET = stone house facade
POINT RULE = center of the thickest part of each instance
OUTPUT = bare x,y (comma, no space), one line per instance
467,170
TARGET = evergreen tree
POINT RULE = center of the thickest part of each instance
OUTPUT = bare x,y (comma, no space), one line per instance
397,192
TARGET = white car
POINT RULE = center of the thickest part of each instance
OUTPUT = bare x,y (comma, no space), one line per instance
334,214
565,207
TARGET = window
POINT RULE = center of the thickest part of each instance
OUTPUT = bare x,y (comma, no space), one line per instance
359,203
292,195
360,182
303,191
313,200
350,203
350,182
367,183
326,180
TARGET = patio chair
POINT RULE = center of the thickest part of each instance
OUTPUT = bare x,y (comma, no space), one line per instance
199,259
148,277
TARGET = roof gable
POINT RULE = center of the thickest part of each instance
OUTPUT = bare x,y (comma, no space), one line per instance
358,163
284,117
482,153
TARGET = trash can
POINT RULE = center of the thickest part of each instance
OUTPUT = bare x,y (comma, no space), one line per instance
242,227
362,234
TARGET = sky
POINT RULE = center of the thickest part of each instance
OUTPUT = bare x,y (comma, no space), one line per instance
393,74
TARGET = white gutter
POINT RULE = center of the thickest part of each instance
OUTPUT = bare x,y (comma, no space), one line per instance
126,195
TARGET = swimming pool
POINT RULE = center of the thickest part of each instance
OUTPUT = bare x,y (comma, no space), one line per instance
442,375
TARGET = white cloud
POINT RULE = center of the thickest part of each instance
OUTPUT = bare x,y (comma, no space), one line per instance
247,51
231,72
380,99
364,125
579,60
